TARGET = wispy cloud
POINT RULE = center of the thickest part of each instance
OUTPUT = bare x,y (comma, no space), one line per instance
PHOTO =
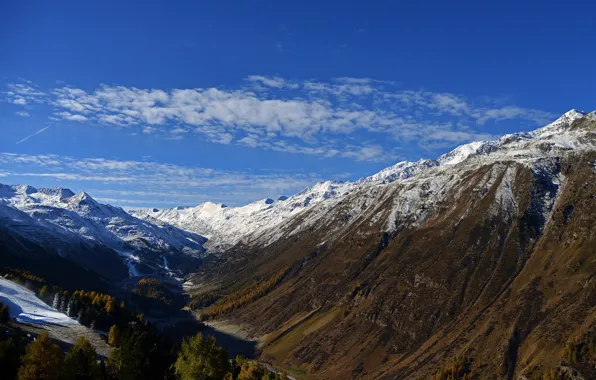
270,112
152,181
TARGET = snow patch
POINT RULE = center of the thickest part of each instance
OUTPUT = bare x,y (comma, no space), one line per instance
25,307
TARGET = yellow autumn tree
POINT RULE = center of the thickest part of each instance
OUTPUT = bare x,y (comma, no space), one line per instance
42,360
114,336
111,306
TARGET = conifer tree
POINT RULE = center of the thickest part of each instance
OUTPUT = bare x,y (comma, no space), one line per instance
4,315
70,307
201,359
111,306
114,336
11,351
81,362
42,360
57,301
43,292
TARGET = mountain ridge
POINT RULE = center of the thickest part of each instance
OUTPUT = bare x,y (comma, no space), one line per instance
489,259
243,222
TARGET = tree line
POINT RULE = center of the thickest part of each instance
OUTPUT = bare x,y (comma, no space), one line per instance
140,353
139,350
240,297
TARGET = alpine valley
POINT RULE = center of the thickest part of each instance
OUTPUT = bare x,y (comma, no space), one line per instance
483,257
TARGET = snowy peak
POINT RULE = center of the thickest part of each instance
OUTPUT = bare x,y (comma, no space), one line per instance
84,204
461,153
226,226
58,215
320,192
57,192
401,170
561,124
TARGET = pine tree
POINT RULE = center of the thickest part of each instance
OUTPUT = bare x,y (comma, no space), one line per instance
57,301
114,336
201,359
114,362
81,362
42,360
11,351
43,292
70,307
64,301
4,315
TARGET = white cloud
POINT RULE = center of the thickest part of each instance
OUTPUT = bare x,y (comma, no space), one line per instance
512,112
149,130
275,82
154,179
23,93
71,117
22,113
309,117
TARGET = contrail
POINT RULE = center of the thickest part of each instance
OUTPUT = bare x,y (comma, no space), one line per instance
36,133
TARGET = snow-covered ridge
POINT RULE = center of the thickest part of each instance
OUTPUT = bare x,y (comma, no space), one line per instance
62,214
226,226
59,215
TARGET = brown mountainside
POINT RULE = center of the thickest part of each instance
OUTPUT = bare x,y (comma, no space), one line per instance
496,265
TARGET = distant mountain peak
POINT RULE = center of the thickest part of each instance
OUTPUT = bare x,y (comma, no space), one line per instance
59,192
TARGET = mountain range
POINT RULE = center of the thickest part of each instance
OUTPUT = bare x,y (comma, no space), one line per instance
485,253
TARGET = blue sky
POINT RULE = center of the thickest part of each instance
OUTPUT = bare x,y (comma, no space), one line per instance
159,104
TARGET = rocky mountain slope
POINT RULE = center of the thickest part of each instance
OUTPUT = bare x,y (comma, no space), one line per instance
251,224
485,253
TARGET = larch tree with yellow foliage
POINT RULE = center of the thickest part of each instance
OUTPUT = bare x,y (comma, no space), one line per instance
42,360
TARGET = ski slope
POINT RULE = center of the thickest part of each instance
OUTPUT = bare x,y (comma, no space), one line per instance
25,307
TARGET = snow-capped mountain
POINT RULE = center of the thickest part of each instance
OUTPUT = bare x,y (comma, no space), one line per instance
414,189
264,220
61,215
225,226
482,253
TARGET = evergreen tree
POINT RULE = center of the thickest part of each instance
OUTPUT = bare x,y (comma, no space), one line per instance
42,360
143,354
201,359
11,351
70,307
4,315
81,362
43,292
64,301
57,301
114,363
114,336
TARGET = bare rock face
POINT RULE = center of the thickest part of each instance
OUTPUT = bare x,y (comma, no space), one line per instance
488,255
